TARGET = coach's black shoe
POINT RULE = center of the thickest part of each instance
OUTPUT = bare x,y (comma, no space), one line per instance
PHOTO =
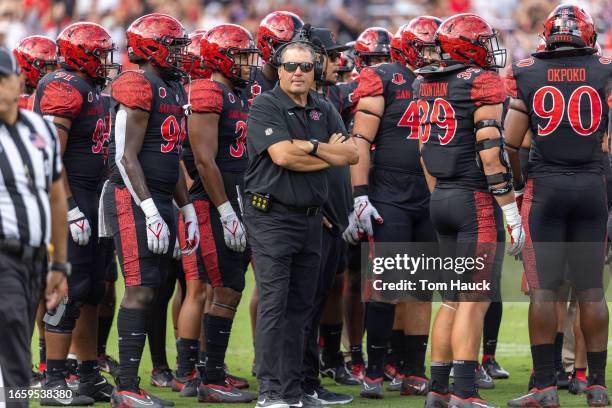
372,388
307,401
472,402
597,396
492,367
223,394
162,377
563,379
547,397
97,388
57,393
483,380
235,381
271,400
108,364
327,397
577,386
436,400
415,385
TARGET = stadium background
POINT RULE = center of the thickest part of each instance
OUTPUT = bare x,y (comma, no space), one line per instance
518,21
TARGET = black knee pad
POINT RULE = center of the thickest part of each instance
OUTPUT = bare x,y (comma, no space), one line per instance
63,318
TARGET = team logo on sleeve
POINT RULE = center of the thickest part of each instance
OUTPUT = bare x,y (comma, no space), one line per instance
269,131
90,97
398,79
315,115
162,92
231,98
605,60
525,63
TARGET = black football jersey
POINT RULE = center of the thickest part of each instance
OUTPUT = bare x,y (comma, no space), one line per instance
567,102
341,96
208,96
446,104
65,94
166,129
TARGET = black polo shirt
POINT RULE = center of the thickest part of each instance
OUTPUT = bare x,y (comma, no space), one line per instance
274,117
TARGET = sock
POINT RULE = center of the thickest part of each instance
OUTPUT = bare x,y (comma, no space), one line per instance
72,364
56,369
490,331
465,374
331,336
558,351
201,365
131,326
156,331
396,348
187,350
416,348
440,372
88,370
596,361
217,337
42,353
379,325
104,325
543,356
580,373
356,354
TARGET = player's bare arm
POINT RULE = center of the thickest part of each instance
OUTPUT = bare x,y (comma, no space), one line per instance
516,127
367,119
57,287
63,126
181,192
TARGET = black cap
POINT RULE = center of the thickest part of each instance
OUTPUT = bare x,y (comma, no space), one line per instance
322,38
8,64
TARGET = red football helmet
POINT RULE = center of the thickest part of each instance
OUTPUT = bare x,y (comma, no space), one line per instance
36,55
276,29
373,42
158,39
569,25
541,45
193,66
227,49
408,44
469,39
88,48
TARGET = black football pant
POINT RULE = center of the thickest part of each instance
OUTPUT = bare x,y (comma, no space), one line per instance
286,247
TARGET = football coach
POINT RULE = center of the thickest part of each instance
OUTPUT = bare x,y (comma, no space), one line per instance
293,137
32,214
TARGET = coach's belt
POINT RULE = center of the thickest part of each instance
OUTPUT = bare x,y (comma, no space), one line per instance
17,249
258,201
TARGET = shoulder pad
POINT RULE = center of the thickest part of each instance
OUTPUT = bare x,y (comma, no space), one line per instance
486,89
23,101
370,83
510,83
132,89
206,96
59,98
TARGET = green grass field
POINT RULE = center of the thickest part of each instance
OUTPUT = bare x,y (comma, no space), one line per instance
512,353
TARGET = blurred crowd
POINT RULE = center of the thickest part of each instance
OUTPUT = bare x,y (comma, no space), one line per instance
519,21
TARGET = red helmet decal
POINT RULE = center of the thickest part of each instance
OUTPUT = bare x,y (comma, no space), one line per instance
569,25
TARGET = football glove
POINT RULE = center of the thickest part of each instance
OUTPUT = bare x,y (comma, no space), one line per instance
352,233
233,230
80,230
364,212
515,229
192,232
176,252
158,235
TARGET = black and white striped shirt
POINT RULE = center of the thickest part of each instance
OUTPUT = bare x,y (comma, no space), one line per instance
30,161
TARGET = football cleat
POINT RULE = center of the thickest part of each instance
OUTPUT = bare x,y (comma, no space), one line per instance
327,397
495,371
37,379
390,371
396,383
108,364
223,394
415,385
577,386
472,402
546,397
271,400
435,400
358,371
72,380
235,381
372,388
99,389
597,396
191,388
178,383
338,372
128,399
57,393
162,377
563,379
483,380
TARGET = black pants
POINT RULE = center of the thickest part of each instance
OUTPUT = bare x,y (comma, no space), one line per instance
21,283
332,261
286,249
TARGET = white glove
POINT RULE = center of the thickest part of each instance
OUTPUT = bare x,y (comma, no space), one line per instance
79,227
192,232
515,229
364,212
233,230
158,235
176,252
352,233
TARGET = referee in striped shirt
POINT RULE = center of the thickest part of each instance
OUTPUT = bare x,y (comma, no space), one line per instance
32,215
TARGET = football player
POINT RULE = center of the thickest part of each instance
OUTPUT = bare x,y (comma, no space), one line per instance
394,185
145,177
460,109
562,94
36,56
71,96
215,157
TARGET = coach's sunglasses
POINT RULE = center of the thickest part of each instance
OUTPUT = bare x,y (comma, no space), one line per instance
293,66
